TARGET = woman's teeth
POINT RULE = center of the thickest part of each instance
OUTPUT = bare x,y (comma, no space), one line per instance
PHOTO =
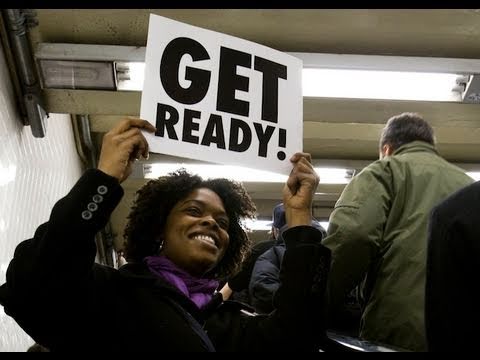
204,238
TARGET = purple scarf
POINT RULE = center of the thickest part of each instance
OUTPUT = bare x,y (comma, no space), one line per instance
199,290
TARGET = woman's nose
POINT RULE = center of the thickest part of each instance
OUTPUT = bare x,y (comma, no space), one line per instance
209,221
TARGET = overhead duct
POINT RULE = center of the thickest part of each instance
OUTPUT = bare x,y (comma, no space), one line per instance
17,22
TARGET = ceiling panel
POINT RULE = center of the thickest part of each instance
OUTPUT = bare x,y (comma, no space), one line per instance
338,132
415,32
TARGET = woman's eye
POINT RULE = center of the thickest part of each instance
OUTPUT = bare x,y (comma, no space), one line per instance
194,211
223,223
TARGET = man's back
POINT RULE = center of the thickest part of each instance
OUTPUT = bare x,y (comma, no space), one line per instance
379,229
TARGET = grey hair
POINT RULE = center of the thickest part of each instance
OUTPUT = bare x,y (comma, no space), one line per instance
405,128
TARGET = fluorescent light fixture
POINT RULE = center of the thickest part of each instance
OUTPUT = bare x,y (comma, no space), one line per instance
258,225
369,84
243,174
475,175
324,75
59,74
343,83
334,175
237,173
130,75
266,225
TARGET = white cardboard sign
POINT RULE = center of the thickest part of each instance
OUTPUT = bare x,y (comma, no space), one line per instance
217,98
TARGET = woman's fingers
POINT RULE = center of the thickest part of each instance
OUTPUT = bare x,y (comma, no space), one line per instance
130,122
302,171
123,144
297,156
135,136
299,190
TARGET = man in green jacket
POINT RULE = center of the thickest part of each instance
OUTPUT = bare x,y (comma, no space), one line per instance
378,232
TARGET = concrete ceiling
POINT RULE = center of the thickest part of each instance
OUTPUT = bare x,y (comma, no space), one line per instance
341,132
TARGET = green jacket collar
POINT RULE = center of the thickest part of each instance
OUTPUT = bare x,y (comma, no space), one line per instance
415,146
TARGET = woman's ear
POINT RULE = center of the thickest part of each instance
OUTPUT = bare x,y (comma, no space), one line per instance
161,242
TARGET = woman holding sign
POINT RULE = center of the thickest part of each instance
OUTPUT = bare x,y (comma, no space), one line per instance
182,235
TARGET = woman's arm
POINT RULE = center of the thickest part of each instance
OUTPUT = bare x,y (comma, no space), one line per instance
298,321
51,274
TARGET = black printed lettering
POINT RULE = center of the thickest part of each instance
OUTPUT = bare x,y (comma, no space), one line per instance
272,71
189,125
235,126
169,70
214,132
229,81
263,138
163,122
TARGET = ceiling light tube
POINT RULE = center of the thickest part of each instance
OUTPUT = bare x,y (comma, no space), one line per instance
266,225
391,85
258,225
238,173
475,175
389,63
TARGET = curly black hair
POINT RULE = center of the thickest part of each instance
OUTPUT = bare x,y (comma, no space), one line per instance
155,200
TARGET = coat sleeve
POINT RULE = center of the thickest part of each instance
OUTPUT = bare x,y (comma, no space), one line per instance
355,231
265,279
298,321
50,274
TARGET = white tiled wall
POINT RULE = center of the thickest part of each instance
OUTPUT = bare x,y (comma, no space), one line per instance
34,174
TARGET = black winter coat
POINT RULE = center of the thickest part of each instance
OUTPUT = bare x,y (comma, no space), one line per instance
452,307
65,301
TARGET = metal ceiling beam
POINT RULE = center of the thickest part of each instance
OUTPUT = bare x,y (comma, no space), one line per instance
331,110
95,52
353,141
337,110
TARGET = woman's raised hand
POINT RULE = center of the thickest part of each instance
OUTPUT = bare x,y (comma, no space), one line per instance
122,145
299,190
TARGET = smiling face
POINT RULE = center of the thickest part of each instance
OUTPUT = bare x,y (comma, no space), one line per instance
196,236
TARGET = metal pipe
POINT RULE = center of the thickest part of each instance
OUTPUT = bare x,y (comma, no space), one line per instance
16,23
78,140
105,246
83,122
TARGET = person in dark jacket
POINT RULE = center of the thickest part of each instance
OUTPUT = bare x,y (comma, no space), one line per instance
237,287
182,234
265,279
452,312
